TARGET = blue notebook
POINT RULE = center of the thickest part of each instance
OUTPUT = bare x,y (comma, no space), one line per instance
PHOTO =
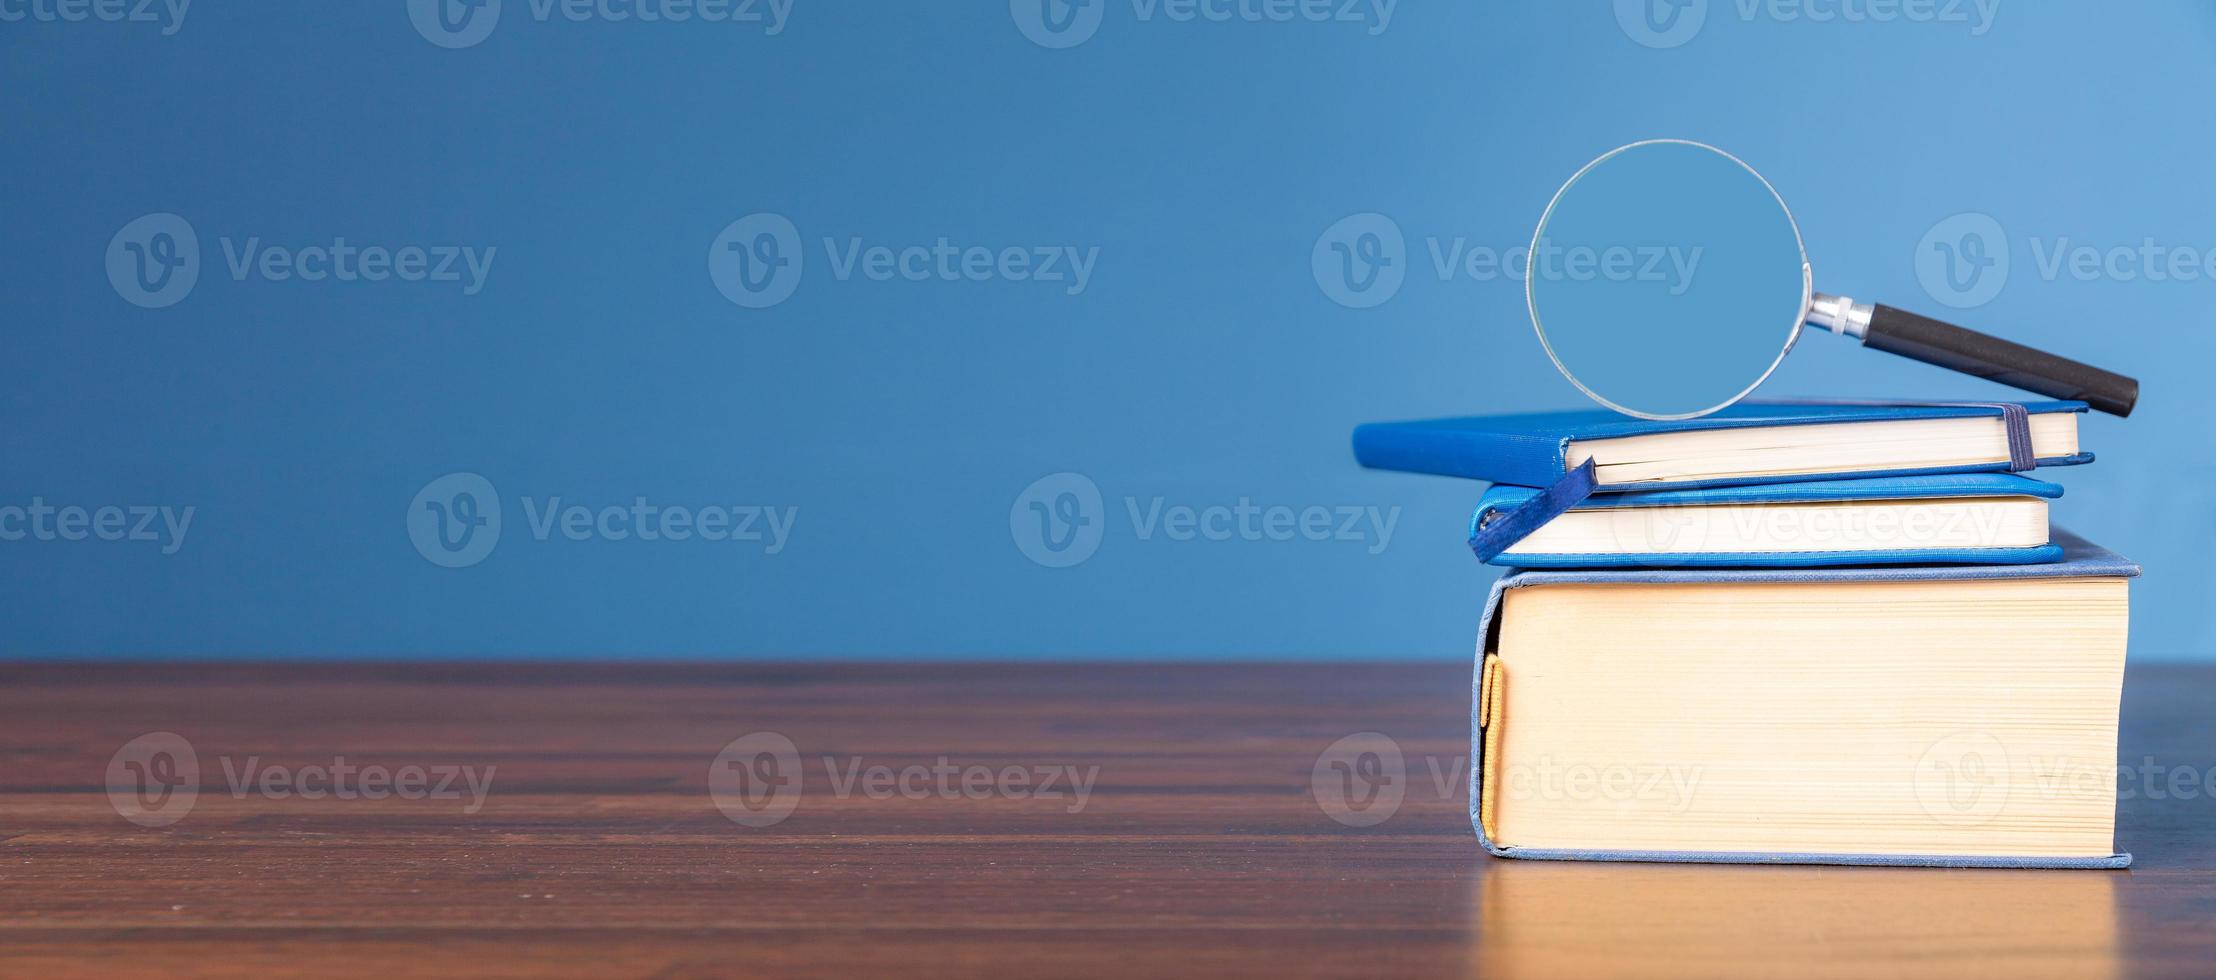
1979,518
1494,712
1539,449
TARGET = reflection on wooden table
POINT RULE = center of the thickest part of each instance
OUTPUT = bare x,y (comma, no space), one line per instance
1554,919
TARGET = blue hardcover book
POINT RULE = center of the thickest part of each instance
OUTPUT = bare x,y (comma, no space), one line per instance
1979,518
1958,716
1747,443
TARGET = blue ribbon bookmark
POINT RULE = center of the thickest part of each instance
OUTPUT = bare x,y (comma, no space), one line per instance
1491,537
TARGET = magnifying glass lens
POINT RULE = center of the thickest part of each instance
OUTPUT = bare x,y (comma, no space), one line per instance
1667,280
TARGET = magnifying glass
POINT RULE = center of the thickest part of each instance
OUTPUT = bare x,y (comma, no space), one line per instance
1667,280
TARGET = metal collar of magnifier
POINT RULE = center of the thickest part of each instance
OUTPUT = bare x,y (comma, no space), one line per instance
1840,315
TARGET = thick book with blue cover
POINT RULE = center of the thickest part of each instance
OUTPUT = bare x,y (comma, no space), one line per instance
1984,518
1959,716
1744,444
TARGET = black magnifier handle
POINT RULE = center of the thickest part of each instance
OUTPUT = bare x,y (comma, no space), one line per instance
1970,352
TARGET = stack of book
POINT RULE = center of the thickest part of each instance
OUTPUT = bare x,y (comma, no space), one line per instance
1817,632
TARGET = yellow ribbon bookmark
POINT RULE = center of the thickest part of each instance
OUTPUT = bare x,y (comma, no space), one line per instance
1488,721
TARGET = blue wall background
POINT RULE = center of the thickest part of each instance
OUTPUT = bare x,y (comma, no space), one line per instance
1203,364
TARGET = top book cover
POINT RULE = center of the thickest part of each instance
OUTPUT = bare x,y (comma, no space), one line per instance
1748,443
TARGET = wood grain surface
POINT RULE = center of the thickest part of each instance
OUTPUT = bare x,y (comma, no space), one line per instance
1202,846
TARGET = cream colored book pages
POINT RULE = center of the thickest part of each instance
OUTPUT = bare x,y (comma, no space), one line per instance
1938,718
1846,525
1832,447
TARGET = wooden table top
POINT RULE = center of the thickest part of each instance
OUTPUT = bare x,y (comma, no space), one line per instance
336,829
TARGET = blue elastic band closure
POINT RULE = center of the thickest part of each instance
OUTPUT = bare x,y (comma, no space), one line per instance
1488,538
